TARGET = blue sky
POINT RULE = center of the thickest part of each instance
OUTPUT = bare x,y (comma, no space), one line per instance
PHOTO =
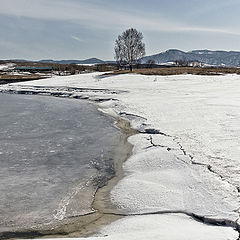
79,29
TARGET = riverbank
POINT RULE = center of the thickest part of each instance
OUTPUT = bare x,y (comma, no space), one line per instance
184,159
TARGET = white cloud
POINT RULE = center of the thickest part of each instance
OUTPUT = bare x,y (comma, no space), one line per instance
77,38
98,17
210,30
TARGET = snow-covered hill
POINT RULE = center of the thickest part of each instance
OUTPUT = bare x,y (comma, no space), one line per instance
218,58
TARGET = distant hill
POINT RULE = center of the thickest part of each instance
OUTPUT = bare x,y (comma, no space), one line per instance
218,58
17,60
87,61
208,57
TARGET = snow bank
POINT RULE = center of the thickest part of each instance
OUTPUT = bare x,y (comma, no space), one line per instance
167,227
161,180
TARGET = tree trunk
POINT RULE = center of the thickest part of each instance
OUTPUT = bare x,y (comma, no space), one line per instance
131,68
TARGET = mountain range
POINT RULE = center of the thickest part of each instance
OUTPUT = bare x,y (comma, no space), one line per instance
208,57
87,61
218,58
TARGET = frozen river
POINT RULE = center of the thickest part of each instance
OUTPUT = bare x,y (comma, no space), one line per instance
53,154
185,159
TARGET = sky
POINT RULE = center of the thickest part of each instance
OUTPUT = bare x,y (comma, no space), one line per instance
81,29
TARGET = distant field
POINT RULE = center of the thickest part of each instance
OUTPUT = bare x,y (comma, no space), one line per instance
180,70
164,71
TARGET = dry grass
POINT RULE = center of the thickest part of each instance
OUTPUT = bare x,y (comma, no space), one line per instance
8,78
180,70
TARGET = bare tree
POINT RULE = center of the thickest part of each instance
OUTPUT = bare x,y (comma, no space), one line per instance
129,48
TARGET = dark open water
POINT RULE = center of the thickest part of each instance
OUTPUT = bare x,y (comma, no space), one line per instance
53,154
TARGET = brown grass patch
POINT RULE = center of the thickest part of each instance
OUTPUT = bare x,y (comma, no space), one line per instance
180,70
8,78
